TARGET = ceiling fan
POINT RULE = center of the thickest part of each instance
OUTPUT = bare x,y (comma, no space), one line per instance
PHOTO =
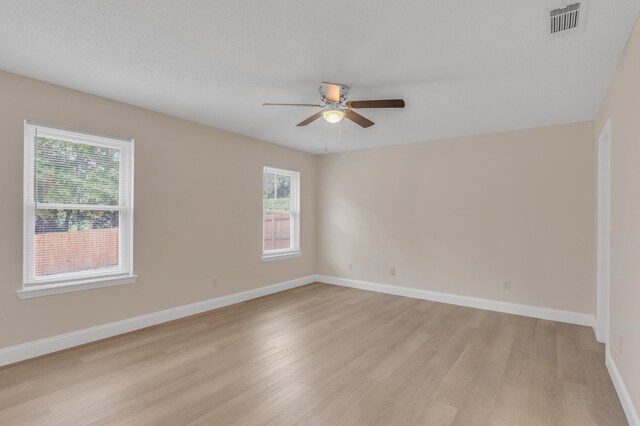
335,105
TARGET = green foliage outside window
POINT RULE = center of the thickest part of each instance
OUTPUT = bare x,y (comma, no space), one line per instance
76,173
276,191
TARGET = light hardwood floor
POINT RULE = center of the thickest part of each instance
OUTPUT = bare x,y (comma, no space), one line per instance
322,354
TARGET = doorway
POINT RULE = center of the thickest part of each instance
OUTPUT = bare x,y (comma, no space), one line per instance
604,234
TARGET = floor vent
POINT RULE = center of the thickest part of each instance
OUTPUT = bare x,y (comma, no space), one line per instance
566,19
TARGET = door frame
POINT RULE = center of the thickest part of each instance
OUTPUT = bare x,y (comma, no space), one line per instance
603,273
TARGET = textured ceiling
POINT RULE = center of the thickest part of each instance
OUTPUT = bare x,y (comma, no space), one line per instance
463,67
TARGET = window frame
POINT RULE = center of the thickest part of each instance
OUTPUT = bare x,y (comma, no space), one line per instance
293,251
33,286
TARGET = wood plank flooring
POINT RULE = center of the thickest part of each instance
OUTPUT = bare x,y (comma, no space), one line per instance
322,354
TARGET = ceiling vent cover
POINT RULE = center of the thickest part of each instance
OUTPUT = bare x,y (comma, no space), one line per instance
567,19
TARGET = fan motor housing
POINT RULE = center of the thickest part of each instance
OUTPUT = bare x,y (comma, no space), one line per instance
344,92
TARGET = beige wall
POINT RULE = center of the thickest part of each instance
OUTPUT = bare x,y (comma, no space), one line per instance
622,106
198,211
463,215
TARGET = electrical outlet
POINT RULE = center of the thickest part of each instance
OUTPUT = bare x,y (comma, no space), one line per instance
621,346
392,271
506,285
214,282
350,267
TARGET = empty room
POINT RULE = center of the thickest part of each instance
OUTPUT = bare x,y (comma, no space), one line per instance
309,213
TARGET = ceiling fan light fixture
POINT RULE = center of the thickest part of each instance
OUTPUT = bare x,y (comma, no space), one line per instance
333,115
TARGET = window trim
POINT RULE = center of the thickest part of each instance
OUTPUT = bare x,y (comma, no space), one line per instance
67,287
294,251
74,281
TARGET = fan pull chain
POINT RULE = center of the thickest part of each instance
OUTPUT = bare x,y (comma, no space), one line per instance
339,136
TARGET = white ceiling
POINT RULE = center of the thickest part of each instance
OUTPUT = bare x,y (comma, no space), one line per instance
463,67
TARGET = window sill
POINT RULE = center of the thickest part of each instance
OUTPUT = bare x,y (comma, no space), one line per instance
281,256
49,289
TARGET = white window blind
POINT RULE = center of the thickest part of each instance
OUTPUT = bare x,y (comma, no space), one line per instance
78,206
281,213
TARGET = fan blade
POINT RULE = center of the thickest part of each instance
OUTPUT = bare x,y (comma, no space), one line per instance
305,105
379,103
332,92
311,119
358,119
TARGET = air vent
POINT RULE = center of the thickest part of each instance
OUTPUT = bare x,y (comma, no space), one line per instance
566,19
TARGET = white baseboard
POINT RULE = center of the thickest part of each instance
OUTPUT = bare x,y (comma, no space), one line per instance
48,345
623,394
473,302
600,337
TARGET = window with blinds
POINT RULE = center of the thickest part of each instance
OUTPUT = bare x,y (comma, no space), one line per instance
78,207
281,213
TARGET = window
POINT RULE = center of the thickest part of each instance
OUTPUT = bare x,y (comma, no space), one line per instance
78,211
281,217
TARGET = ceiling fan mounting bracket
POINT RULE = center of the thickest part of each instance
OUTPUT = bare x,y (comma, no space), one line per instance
344,92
